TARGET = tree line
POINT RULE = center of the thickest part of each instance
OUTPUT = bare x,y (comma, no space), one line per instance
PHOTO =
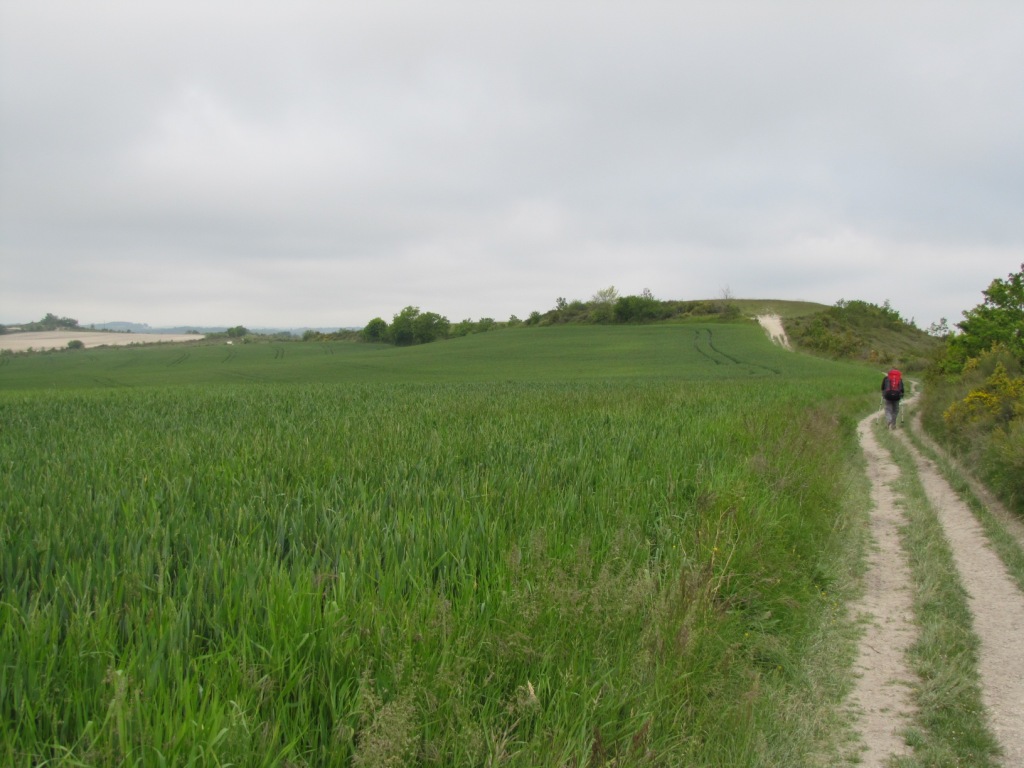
414,326
50,322
974,398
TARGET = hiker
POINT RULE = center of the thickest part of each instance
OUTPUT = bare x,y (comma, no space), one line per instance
892,391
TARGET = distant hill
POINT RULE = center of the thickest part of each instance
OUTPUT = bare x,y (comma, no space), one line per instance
858,330
122,327
128,327
781,307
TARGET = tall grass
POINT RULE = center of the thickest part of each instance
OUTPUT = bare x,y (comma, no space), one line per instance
519,574
574,547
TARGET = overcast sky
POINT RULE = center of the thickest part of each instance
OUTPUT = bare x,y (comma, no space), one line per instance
310,163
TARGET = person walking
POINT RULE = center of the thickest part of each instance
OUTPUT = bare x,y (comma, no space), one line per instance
892,393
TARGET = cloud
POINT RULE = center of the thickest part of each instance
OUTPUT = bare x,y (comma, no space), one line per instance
319,164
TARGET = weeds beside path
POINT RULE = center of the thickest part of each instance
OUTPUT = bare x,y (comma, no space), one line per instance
967,676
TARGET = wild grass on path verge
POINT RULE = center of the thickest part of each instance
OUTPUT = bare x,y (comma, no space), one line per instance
952,728
511,574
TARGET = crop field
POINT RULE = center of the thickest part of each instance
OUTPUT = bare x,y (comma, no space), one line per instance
558,353
564,546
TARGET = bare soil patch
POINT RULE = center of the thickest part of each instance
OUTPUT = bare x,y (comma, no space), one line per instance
773,325
40,340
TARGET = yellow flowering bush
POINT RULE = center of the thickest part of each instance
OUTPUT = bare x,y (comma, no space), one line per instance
1000,399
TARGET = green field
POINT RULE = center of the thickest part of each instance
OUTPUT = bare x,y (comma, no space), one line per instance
560,353
541,546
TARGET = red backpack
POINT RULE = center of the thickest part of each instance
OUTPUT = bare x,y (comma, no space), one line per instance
892,387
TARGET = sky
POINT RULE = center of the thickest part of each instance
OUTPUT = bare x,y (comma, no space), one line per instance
320,163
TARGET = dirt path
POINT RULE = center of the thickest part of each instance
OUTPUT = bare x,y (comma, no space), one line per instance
882,694
996,604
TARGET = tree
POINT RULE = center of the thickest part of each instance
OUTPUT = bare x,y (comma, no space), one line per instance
462,328
402,333
376,330
999,319
76,344
51,322
636,309
604,301
238,331
429,326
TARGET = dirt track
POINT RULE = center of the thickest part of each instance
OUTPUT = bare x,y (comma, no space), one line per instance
997,605
882,694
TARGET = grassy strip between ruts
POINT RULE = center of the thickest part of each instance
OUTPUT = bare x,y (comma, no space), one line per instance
1005,545
951,727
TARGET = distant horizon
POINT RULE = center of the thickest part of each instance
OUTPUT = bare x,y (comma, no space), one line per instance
177,326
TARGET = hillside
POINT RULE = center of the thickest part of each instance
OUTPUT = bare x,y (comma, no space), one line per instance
679,350
851,330
857,330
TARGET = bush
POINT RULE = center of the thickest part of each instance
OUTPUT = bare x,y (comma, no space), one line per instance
980,416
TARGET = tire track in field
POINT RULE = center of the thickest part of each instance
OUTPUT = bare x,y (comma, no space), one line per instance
882,693
722,356
737,360
996,604
696,346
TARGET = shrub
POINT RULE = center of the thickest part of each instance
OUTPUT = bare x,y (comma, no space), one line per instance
980,415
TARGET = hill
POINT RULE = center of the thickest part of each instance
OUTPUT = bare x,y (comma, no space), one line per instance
783,308
680,350
858,330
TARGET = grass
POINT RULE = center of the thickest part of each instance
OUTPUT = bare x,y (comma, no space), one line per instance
569,547
784,309
951,728
690,351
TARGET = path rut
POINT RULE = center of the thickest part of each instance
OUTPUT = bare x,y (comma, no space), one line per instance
996,604
882,693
